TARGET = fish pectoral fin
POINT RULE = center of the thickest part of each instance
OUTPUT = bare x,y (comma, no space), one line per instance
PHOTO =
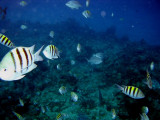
20,77
33,66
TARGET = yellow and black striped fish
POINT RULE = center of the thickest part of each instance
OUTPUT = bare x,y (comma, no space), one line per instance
5,41
18,116
132,91
149,80
21,61
59,116
148,75
74,97
62,90
51,52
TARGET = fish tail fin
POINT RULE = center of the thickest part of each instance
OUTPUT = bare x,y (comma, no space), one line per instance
147,70
145,82
37,56
13,46
141,115
119,87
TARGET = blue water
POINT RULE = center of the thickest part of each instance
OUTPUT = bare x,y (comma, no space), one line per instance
128,42
142,14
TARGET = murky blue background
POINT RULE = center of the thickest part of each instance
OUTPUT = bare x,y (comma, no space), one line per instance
137,18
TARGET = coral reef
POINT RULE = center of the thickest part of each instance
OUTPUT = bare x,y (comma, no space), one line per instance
125,63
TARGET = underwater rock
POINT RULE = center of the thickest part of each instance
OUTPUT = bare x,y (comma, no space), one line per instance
70,79
88,103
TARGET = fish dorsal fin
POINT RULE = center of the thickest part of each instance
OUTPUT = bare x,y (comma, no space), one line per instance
31,48
120,87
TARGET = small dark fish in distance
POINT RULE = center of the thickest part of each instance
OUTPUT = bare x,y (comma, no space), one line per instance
3,12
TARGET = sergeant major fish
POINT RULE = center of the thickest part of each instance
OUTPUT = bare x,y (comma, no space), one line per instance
73,4
113,114
112,15
59,67
144,116
21,102
23,3
17,62
86,13
73,62
99,55
62,90
23,27
43,109
5,41
51,34
51,52
74,97
78,48
145,109
148,80
18,116
95,60
61,116
87,3
131,91
152,66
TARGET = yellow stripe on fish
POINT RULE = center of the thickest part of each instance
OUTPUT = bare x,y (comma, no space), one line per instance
59,116
51,52
54,50
18,116
5,41
148,75
149,80
113,113
62,90
74,97
132,91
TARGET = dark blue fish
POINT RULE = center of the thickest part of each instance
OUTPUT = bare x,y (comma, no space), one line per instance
3,12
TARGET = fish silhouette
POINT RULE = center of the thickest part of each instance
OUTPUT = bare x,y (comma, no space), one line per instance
3,12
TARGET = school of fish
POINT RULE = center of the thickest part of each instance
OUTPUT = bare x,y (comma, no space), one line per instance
20,60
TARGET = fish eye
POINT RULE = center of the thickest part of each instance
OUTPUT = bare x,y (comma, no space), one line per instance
5,69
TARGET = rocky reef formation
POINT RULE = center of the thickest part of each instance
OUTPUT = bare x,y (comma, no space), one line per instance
124,62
